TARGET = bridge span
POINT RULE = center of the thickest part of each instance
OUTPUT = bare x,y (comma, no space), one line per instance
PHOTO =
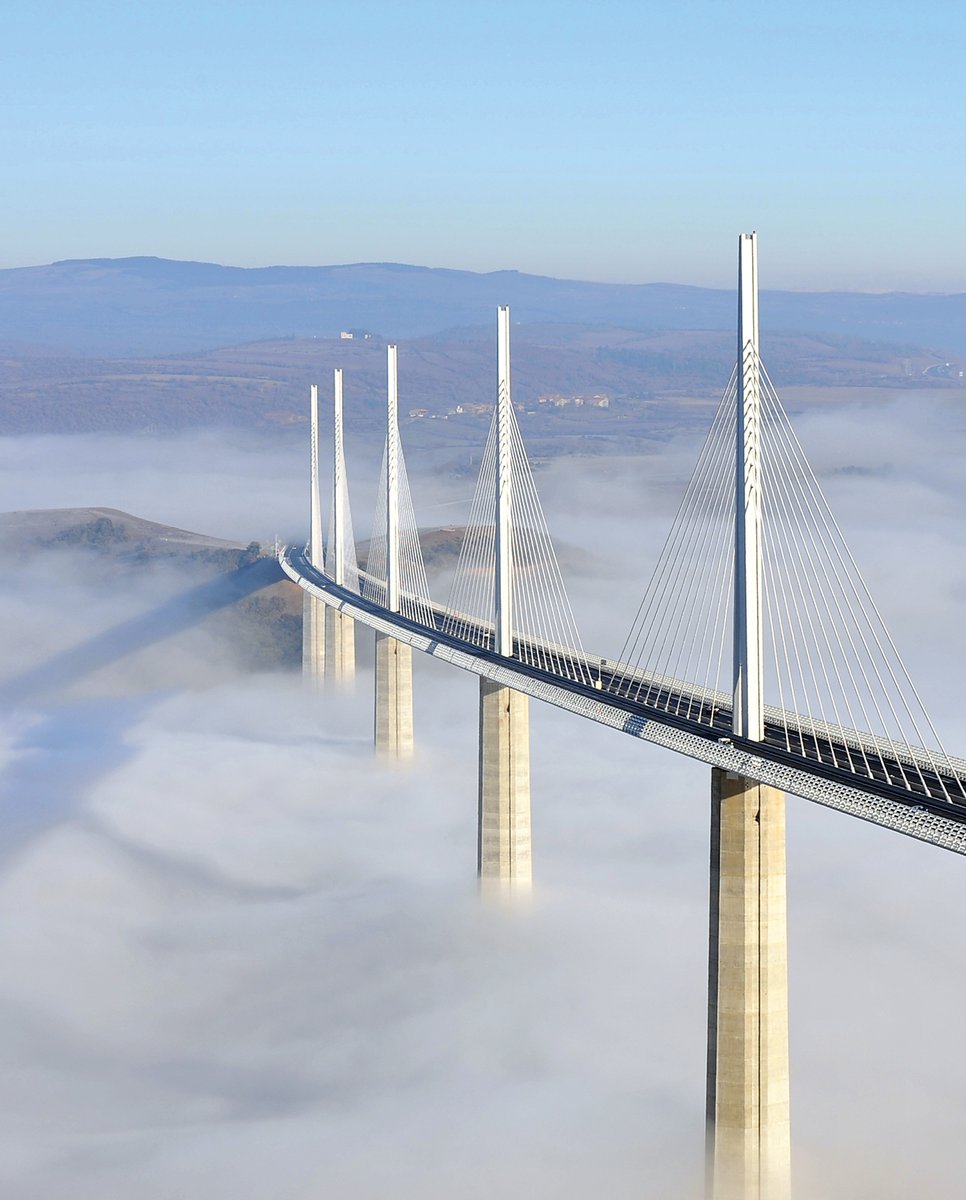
923,809
755,559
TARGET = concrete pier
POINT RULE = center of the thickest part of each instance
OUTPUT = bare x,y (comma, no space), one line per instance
313,639
394,698
503,858
340,645
748,1109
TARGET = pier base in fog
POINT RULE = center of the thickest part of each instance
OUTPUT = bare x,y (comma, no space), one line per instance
748,1138
504,814
340,647
394,698
313,639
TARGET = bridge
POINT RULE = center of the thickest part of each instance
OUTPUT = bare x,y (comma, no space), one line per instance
757,649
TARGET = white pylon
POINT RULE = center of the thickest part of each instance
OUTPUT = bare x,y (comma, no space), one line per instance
340,556
338,483
392,482
315,523
504,548
313,609
748,712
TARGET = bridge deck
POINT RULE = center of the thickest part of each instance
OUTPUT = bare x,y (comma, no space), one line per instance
899,792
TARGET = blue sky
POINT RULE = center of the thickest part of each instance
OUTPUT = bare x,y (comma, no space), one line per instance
614,141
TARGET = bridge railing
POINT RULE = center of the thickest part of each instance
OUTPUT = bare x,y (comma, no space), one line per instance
626,682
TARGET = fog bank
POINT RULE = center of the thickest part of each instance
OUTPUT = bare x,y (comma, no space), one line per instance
243,959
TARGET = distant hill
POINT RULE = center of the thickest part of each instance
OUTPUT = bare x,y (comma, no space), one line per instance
151,306
648,379
226,587
108,530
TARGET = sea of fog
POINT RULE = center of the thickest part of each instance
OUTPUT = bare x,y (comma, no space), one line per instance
244,960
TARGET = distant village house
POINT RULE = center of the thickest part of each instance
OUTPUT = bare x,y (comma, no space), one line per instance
555,400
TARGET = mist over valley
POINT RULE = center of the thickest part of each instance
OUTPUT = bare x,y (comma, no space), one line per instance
242,953
279,923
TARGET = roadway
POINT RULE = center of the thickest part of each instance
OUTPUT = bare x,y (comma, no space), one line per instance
850,761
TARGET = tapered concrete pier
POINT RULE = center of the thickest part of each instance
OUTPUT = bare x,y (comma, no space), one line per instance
394,698
504,812
313,609
313,640
748,1140
340,648
504,854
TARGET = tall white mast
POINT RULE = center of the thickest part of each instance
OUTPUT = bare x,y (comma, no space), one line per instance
748,718
392,484
504,413
315,527
338,483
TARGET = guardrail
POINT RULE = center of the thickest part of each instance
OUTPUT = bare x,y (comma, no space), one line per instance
920,817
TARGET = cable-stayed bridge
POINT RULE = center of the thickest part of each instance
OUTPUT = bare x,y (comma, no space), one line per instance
756,648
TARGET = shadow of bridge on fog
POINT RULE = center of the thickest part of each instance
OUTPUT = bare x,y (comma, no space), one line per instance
173,616
74,744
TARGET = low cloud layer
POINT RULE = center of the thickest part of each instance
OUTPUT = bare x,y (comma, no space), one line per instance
242,959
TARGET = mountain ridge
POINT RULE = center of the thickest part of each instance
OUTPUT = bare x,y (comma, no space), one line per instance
112,307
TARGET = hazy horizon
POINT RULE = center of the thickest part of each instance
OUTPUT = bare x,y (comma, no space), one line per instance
457,269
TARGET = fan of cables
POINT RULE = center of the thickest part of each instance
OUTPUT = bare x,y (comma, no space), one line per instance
341,563
837,691
414,599
544,630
